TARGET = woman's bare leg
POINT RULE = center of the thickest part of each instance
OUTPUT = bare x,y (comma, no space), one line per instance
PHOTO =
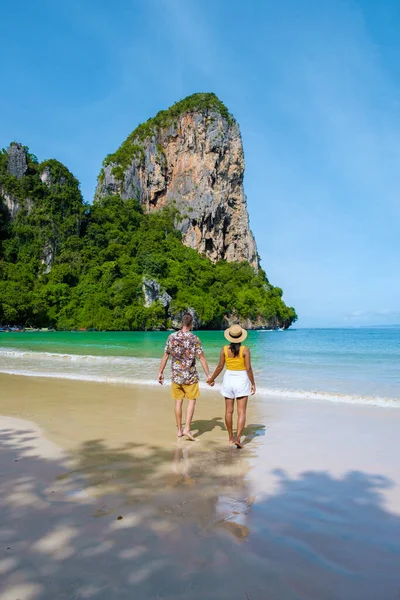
229,404
241,408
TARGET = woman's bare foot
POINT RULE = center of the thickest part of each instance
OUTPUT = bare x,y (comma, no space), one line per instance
238,444
231,440
180,433
189,435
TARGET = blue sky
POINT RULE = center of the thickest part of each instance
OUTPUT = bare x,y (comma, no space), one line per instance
314,85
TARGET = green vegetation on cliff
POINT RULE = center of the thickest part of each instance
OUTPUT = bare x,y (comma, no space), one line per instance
132,147
100,255
49,213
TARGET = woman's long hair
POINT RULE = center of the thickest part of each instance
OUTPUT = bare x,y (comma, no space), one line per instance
235,348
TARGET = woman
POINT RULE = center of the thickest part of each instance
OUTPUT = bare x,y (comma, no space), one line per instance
238,381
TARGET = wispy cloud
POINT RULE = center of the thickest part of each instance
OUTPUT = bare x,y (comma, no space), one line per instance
190,33
348,105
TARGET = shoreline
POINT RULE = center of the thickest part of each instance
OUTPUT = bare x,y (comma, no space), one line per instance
302,511
342,367
22,329
283,394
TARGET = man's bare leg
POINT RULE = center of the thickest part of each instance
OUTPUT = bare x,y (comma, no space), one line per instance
189,416
229,404
241,408
178,416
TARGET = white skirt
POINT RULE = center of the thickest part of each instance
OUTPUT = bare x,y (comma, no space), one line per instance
236,384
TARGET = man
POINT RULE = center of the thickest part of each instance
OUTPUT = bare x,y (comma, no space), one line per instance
184,347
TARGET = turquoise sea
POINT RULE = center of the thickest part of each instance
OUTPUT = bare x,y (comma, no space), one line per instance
360,365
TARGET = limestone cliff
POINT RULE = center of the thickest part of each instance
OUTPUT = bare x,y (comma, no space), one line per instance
191,156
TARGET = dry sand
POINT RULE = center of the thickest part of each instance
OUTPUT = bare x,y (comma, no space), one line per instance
308,510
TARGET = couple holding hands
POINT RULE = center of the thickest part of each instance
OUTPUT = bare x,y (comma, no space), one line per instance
238,383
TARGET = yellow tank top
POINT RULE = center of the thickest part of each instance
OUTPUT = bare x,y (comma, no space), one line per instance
235,364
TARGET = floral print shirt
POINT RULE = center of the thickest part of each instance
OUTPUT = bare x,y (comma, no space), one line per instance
184,347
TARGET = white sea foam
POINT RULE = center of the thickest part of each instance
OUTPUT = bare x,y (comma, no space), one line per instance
81,377
330,397
79,358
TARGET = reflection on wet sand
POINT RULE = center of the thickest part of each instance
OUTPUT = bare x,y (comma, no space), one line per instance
206,484
229,503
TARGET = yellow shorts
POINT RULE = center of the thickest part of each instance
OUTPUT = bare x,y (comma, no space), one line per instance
180,390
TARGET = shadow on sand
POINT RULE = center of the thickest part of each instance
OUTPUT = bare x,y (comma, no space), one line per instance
202,426
185,512
207,425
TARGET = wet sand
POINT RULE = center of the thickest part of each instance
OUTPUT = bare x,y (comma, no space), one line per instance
310,509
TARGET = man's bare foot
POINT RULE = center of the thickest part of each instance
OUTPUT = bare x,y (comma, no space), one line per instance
238,444
189,435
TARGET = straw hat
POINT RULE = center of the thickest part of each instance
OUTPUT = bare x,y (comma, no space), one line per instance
235,334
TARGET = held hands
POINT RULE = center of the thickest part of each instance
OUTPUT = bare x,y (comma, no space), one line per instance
210,381
161,378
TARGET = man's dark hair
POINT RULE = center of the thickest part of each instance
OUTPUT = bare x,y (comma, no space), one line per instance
187,320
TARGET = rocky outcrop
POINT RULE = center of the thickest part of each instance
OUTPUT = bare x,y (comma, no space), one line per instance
153,293
17,167
53,174
48,257
45,176
12,203
190,156
258,323
17,163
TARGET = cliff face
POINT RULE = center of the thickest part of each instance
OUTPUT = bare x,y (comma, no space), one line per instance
190,156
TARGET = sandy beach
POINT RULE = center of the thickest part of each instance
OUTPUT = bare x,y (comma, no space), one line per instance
310,509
